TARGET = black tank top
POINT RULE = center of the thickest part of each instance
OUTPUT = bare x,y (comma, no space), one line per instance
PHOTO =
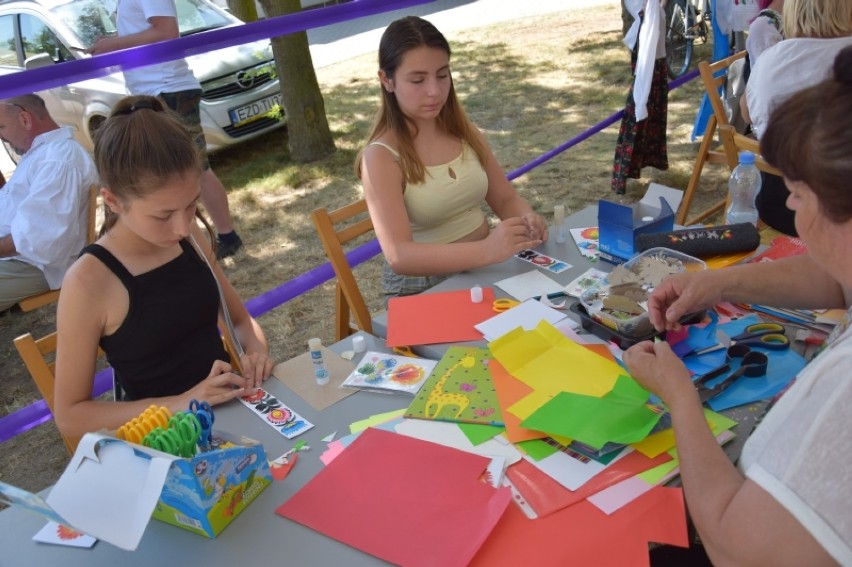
169,339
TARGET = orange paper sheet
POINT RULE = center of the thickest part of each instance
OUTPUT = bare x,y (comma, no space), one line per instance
583,535
429,318
404,500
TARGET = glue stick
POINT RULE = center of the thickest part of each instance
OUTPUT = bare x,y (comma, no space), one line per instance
320,372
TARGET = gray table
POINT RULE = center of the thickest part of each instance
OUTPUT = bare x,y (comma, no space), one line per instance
258,536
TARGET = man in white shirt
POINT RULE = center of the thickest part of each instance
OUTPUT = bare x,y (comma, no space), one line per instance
43,205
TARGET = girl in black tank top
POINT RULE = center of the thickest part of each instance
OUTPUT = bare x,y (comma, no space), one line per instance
148,292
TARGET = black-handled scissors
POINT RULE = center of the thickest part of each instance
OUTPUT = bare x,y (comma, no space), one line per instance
753,365
764,335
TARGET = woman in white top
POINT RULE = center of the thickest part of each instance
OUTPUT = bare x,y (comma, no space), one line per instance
790,502
815,32
427,170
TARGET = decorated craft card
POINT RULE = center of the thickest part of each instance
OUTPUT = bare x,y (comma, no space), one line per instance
390,373
587,241
275,413
459,389
543,261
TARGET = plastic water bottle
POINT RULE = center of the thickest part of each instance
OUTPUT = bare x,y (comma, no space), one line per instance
743,187
320,372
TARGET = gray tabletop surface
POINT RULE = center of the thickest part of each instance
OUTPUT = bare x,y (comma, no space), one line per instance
259,536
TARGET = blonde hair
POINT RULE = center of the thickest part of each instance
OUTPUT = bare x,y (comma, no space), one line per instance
823,19
398,39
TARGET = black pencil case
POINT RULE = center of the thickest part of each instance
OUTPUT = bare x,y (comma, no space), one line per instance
706,241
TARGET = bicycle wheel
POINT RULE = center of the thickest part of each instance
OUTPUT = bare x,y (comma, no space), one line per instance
679,20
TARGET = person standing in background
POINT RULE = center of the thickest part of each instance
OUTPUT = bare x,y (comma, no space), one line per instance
140,23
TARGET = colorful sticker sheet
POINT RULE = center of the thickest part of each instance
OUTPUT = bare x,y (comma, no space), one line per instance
459,389
274,412
543,261
390,373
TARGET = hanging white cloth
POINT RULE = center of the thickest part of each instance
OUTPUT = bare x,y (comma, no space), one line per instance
652,46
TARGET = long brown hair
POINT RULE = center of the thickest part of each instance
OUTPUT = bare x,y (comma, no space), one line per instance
809,138
140,147
400,37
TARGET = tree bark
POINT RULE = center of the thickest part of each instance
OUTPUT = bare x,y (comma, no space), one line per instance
307,126
246,10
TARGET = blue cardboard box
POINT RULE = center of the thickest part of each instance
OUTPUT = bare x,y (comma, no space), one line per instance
618,225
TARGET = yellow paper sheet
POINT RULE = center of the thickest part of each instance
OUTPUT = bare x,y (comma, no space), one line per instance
662,441
550,363
374,420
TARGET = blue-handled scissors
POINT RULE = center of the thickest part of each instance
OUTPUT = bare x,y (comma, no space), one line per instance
204,414
501,305
765,335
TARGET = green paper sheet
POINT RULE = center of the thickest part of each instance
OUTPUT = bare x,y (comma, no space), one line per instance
536,449
459,389
620,416
478,434
363,424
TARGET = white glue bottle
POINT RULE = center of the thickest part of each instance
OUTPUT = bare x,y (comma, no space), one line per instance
320,372
559,223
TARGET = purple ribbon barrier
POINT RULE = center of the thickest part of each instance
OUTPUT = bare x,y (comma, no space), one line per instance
51,76
37,413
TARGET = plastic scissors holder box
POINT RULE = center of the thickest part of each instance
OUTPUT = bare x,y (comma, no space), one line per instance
204,493
112,488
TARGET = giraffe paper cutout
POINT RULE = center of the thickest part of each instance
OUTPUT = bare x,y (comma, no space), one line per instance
459,389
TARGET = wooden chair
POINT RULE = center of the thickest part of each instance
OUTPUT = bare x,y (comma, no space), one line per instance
348,297
40,299
35,352
713,75
734,143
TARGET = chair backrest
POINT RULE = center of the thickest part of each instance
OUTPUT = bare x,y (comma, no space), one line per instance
348,297
34,352
714,75
35,301
734,142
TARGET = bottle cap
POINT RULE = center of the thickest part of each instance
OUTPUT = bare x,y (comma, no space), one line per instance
746,157
476,294
314,343
359,345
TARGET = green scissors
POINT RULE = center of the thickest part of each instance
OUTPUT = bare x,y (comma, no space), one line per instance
181,437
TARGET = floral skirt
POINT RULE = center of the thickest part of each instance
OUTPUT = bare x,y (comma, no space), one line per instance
643,144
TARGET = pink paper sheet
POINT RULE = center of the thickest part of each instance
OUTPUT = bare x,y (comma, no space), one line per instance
583,535
445,317
407,501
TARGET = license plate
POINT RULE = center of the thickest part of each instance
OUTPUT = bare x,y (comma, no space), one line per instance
254,110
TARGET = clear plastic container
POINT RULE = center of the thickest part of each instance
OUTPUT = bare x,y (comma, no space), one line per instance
620,302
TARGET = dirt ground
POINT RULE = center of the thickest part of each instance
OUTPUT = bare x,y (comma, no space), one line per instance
529,84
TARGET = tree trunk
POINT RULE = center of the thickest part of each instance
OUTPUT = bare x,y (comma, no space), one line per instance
307,126
246,10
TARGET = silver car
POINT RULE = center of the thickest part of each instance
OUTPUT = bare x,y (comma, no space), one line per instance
239,83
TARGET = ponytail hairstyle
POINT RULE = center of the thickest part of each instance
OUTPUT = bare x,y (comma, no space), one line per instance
139,148
400,37
809,138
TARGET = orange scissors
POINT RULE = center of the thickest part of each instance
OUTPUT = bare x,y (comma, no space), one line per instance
501,305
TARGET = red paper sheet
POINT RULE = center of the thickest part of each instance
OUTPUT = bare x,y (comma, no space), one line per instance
583,535
404,500
547,496
445,317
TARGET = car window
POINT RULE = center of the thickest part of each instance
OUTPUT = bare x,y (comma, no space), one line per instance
37,38
196,16
88,19
8,54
